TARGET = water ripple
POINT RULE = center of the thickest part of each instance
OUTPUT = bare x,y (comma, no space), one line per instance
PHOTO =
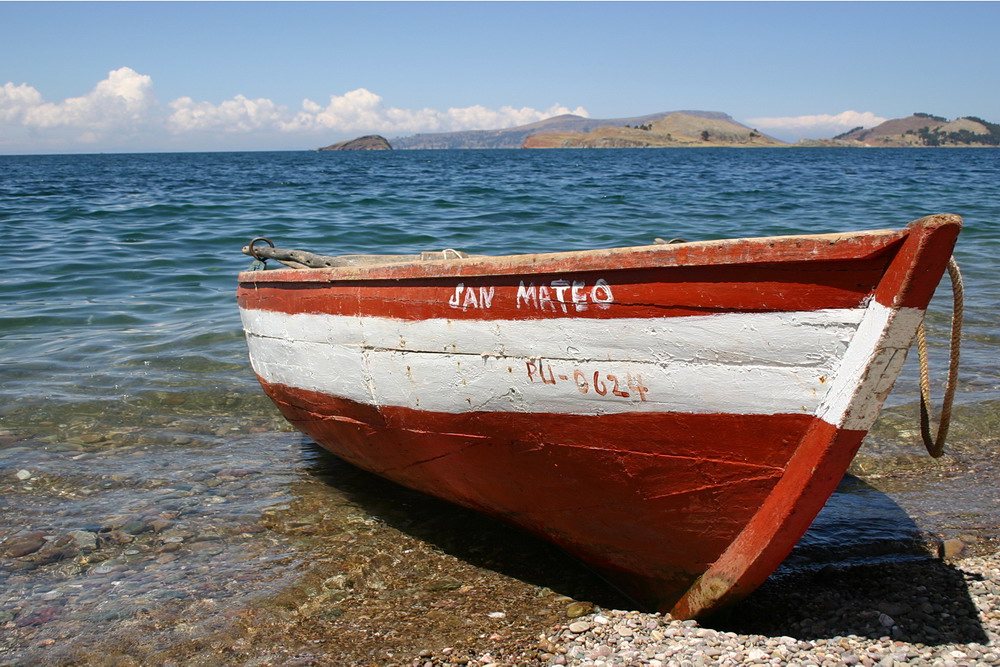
128,257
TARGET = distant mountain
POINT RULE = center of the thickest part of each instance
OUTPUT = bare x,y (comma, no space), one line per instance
513,137
687,128
920,129
674,130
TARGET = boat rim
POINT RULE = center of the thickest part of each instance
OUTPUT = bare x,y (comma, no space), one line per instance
750,250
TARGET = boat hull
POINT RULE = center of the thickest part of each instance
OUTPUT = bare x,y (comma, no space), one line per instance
674,416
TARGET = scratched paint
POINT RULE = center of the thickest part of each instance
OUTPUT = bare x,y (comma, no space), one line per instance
706,396
756,363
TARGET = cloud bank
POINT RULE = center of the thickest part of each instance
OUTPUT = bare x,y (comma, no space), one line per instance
122,110
817,126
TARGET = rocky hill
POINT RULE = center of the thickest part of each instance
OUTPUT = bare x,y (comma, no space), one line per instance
685,128
514,137
920,129
371,142
674,130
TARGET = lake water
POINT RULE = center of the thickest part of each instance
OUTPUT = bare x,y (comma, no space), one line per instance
128,410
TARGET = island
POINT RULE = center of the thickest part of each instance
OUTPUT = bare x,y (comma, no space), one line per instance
917,130
674,130
370,142
680,129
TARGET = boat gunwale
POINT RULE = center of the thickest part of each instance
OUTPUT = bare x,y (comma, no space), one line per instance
751,250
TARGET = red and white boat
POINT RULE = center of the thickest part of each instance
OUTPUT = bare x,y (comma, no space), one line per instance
674,415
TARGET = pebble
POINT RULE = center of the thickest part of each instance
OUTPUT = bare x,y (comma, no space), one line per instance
951,548
24,543
578,609
612,637
84,539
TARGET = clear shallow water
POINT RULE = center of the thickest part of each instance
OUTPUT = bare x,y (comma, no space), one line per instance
123,372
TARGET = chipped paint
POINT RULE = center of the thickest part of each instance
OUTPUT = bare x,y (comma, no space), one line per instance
675,416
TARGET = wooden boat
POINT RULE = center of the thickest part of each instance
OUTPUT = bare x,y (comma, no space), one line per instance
674,415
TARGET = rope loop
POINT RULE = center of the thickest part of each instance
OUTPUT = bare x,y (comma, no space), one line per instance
935,445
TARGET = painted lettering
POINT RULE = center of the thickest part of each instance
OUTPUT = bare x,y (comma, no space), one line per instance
560,286
636,385
528,295
599,386
601,294
578,295
545,299
466,297
455,301
616,390
603,384
486,296
559,294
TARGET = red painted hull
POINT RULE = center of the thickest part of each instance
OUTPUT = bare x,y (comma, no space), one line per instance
686,492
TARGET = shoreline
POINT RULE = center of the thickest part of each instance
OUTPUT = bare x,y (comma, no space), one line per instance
370,573
923,612
883,617
241,543
244,544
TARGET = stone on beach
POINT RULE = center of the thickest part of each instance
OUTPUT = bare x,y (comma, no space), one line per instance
967,636
83,539
24,543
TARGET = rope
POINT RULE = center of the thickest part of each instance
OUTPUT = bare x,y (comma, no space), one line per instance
935,445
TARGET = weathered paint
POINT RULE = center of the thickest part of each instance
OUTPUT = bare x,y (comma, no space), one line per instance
754,363
673,415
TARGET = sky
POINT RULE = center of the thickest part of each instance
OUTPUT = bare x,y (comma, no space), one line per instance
83,77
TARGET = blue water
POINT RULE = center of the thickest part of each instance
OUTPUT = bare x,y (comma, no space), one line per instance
119,270
128,410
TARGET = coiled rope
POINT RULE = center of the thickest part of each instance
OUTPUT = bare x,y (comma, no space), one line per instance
935,445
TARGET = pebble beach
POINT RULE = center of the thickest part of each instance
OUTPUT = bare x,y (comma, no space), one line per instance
873,616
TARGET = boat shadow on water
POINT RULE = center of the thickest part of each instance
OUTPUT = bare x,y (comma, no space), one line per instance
862,569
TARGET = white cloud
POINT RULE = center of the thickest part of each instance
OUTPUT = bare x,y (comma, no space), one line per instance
16,100
816,126
122,110
118,102
356,110
362,110
239,114
478,117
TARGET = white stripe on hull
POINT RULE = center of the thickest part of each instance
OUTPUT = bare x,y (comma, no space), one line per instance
780,339
738,363
870,366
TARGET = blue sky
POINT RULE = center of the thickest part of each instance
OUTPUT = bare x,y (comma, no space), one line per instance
123,76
